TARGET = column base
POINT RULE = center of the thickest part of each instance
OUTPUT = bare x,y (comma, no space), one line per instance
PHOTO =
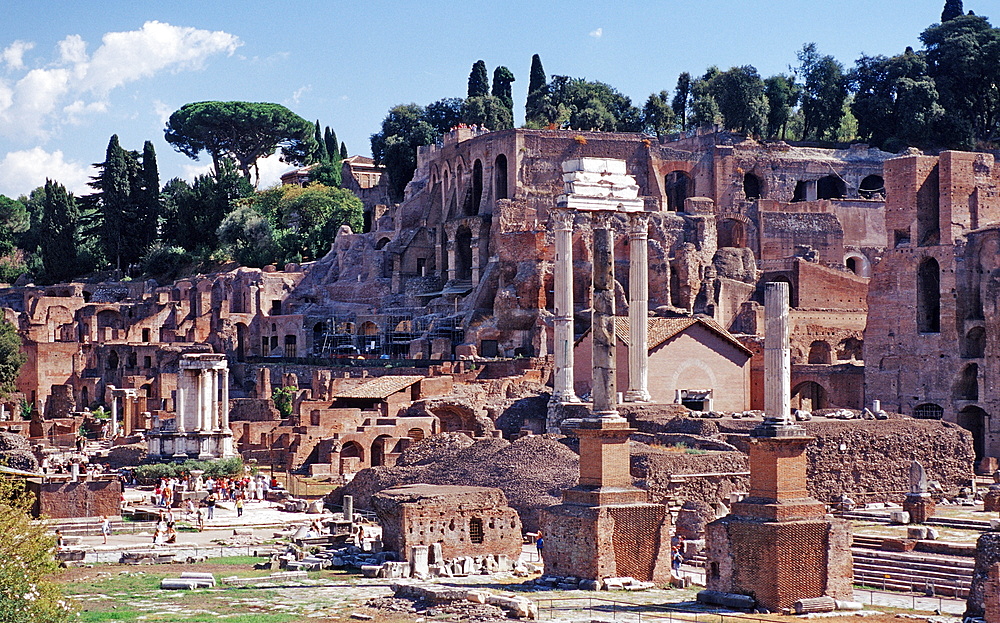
637,395
563,398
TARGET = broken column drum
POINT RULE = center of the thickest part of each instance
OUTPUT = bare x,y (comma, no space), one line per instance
638,301
563,322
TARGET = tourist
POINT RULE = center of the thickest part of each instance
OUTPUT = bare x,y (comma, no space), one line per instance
201,521
539,545
210,504
105,528
239,506
676,559
60,542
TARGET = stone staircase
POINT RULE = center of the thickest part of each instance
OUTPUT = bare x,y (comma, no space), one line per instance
912,571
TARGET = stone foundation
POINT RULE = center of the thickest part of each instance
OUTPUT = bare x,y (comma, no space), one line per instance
922,508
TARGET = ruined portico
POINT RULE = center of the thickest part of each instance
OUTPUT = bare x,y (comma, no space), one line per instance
200,427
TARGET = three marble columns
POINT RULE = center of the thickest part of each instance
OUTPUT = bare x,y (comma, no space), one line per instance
605,397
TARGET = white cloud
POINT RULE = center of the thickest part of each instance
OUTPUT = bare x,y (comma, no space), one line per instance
191,171
596,34
79,84
271,169
13,54
297,95
163,111
23,171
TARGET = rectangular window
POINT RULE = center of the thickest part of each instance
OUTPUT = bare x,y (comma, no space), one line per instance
276,308
476,534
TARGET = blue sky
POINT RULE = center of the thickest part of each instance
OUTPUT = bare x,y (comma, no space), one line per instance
74,73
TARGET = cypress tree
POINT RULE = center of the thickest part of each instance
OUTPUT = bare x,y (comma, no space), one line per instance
479,80
343,151
148,199
115,185
322,155
533,107
60,218
681,96
952,9
502,77
332,144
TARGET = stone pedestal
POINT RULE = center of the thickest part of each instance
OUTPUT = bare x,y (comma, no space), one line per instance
777,544
921,507
604,528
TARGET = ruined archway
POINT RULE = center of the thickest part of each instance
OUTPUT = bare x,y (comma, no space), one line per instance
677,186
830,187
753,187
477,188
820,352
416,434
967,383
872,187
929,296
352,450
380,449
974,345
809,396
732,233
858,264
454,418
974,420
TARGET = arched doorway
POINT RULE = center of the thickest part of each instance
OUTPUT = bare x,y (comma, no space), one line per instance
732,233
113,360
808,396
463,254
477,187
929,296
967,384
379,450
974,420
351,450
858,264
975,343
677,186
500,176
241,341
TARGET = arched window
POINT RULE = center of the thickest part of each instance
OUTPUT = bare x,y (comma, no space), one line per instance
500,175
975,343
928,411
732,233
113,361
973,419
463,255
830,187
381,243
753,187
872,187
929,297
678,186
801,191
416,434
352,449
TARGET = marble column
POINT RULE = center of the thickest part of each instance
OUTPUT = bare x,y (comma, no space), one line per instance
224,400
605,390
562,284
179,403
114,414
204,423
213,404
638,314
777,355
452,255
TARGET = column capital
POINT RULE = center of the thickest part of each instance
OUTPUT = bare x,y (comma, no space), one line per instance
562,218
638,224
602,219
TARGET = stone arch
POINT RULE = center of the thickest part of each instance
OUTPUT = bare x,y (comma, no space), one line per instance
831,187
463,253
677,186
851,348
353,449
500,177
872,187
384,240
929,296
753,187
809,396
793,300
928,411
820,352
974,345
858,263
379,450
732,233
109,319
974,420
967,384
454,418
416,434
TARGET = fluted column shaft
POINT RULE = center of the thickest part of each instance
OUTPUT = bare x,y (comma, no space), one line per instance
562,284
638,294
777,354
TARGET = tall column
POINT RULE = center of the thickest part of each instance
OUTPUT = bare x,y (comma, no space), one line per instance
450,250
213,404
777,355
562,283
114,414
179,407
203,423
605,390
638,306
224,399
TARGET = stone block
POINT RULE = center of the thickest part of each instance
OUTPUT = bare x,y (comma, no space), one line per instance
370,571
814,604
899,517
178,584
419,555
916,532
